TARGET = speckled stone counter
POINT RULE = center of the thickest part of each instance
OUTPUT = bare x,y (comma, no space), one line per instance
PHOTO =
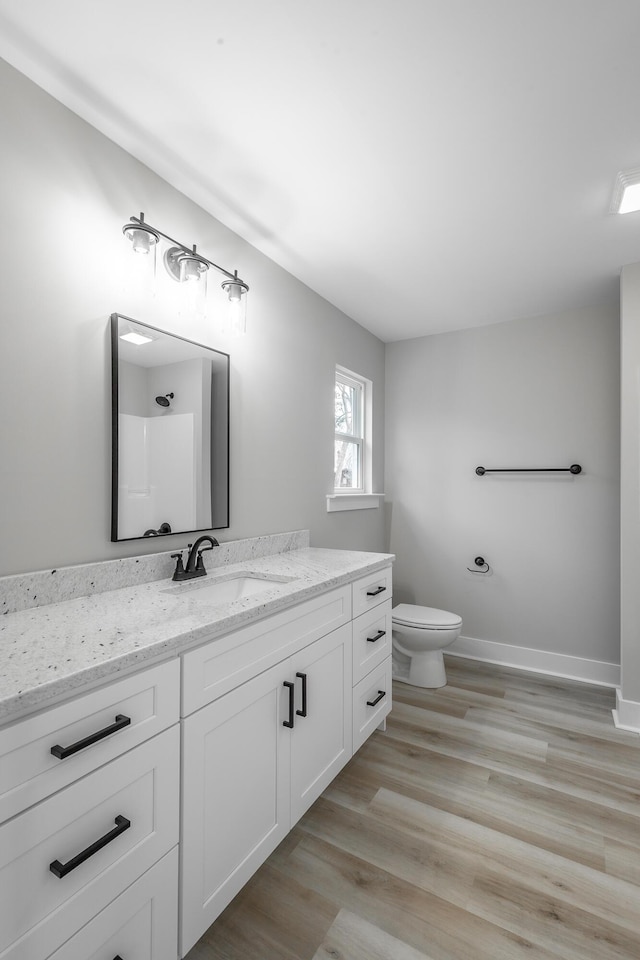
50,652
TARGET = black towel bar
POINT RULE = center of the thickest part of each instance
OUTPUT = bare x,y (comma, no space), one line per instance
575,468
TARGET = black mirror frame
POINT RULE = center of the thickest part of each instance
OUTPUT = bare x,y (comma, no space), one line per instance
115,317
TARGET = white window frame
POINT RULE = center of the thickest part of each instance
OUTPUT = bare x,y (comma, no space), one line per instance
362,496
356,437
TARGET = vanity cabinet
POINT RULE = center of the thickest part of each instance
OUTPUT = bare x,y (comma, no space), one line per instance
272,714
98,824
257,757
222,748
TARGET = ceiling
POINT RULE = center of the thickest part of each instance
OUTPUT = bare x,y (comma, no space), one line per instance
424,165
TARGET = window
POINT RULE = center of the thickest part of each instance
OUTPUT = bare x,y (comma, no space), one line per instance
353,460
349,457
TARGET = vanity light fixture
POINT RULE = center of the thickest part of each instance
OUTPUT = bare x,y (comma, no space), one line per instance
626,193
187,265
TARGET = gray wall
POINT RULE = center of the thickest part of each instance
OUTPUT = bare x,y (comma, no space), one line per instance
540,392
66,191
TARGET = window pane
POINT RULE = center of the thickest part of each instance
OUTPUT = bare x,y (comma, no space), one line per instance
346,408
347,465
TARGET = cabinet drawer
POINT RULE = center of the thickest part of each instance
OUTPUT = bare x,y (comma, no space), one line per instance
369,708
40,910
30,772
225,663
372,590
371,639
140,924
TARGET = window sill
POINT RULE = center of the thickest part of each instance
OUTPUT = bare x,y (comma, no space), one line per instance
353,501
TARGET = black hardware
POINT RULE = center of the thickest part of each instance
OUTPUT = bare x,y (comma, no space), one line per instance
62,869
178,573
479,562
380,633
195,566
118,957
62,752
303,712
289,722
374,593
372,703
575,468
162,530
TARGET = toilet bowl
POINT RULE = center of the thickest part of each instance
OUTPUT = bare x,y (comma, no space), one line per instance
420,634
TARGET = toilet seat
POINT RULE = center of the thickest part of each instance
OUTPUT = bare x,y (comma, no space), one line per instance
427,618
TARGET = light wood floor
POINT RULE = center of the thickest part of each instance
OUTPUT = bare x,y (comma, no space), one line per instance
496,819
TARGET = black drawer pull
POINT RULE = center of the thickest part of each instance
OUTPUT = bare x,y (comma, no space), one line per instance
62,869
380,633
62,752
289,722
303,712
374,593
381,694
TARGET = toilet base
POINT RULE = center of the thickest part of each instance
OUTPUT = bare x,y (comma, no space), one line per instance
424,670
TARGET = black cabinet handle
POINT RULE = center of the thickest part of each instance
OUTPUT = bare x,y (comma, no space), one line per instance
303,712
62,752
381,694
62,869
289,722
380,633
374,593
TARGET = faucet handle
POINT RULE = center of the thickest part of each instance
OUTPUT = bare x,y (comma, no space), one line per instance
200,562
178,573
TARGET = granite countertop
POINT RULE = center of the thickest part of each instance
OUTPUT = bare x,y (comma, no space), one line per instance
50,652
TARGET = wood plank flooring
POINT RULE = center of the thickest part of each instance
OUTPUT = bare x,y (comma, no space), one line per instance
496,819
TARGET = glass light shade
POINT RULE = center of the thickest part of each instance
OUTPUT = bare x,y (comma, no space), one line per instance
236,319
193,292
238,315
140,271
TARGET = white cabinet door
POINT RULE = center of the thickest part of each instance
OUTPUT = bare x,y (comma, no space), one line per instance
235,796
321,740
252,764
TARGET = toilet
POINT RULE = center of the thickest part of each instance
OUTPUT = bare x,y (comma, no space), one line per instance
420,634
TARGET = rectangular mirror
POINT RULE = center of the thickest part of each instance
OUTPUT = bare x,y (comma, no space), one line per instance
170,432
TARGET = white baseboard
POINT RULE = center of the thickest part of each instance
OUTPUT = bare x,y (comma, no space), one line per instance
539,661
626,715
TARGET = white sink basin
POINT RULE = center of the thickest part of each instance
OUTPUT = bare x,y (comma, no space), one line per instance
225,590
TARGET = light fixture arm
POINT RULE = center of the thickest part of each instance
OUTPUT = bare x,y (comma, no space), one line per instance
140,222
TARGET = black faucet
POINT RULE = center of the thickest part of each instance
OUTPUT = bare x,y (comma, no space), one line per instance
195,565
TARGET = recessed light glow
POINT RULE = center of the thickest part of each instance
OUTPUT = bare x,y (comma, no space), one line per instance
136,338
626,193
630,198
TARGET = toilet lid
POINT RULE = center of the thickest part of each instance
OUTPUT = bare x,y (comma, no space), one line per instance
411,615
